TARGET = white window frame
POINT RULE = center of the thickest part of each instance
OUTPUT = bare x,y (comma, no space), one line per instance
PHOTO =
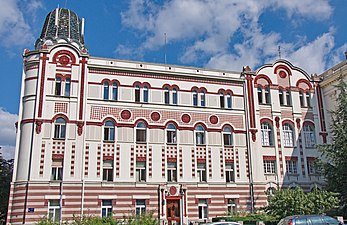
137,93
141,132
200,135
203,208
266,134
141,175
195,97
109,131
309,135
171,134
57,170
145,91
201,172
172,171
292,166
54,210
60,128
260,95
166,96
106,90
229,172
140,206
231,206
107,207
114,91
269,166
107,170
174,96
288,135
202,98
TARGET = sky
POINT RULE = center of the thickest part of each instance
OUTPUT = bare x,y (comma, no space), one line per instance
216,34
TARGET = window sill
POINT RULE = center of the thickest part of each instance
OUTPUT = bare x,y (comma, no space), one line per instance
59,139
108,141
228,146
268,146
289,146
171,143
201,145
141,142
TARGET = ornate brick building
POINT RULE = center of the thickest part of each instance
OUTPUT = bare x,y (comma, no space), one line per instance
103,136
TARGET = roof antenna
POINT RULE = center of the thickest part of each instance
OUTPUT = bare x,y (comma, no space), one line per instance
65,4
279,51
165,48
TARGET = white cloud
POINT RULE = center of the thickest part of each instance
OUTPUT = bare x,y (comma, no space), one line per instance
228,33
7,132
14,30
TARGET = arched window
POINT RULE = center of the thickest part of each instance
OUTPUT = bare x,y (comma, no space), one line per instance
266,134
58,86
171,134
137,93
281,96
301,97
67,86
195,98
227,136
59,128
166,96
309,135
145,94
200,135
267,96
106,90
229,100
308,99
288,98
109,131
288,135
141,129
221,99
260,95
174,96
202,98
115,91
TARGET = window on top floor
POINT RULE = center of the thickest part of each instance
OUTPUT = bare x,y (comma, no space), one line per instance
267,95
288,98
200,135
308,99
166,96
202,99
145,94
141,131
288,135
60,128
115,91
137,93
260,95
301,98
67,86
174,96
225,100
195,97
109,131
281,96
229,100
58,86
266,134
221,100
106,90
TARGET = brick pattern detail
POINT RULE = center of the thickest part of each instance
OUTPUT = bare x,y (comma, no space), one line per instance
86,161
237,163
221,163
171,152
73,155
201,153
209,163
132,161
163,162
108,151
307,116
42,158
99,112
247,163
181,162
141,152
60,107
150,161
193,163
58,148
301,154
98,161
280,150
117,167
287,115
283,82
229,154
265,112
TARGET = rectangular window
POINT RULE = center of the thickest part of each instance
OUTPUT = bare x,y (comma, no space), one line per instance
140,171
232,206
172,172
312,167
107,170
67,87
269,167
227,139
289,98
54,210
137,95
221,100
106,208
166,97
171,137
291,166
140,206
229,172
57,169
203,209
202,172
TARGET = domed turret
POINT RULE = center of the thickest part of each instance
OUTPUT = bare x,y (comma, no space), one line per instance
62,26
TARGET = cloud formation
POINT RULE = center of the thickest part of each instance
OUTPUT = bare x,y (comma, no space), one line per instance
7,133
228,33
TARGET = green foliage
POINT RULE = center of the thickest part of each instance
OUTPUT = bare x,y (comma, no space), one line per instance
6,168
144,219
288,202
334,161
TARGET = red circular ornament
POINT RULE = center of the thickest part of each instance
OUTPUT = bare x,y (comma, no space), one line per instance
155,116
173,190
125,114
282,74
64,60
214,119
185,118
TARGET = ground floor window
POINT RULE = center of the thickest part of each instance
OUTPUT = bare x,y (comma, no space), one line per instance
106,208
232,206
140,206
54,210
203,209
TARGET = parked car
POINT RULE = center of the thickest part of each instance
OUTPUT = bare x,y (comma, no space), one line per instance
223,223
309,220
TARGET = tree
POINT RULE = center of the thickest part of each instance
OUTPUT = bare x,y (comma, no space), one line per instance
6,168
288,202
334,154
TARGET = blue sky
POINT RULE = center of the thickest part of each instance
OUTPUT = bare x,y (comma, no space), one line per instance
221,34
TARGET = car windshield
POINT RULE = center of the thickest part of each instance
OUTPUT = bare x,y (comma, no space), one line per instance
330,220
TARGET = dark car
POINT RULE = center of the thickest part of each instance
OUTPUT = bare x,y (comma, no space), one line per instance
309,220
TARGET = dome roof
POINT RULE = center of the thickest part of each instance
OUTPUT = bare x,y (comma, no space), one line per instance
62,24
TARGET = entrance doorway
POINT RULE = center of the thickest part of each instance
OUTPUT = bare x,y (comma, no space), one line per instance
173,211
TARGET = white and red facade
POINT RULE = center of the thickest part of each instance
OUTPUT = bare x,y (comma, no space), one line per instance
185,143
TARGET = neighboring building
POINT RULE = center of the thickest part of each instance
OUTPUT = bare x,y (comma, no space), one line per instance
330,79
103,136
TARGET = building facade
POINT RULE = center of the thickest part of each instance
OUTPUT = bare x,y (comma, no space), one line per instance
100,136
